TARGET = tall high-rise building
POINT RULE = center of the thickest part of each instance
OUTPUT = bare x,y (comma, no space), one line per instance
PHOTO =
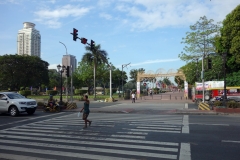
69,60
29,40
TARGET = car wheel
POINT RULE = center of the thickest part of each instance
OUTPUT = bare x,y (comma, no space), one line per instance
31,112
13,111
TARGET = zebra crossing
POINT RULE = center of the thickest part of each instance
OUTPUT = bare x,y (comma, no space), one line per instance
111,136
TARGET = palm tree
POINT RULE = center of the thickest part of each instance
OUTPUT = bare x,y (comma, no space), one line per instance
95,57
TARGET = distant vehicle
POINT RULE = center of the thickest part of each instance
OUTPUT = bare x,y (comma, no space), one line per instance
14,103
214,91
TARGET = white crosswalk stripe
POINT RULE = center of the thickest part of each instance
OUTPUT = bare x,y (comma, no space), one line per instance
64,138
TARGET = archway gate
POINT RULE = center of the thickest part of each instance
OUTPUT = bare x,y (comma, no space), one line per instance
158,73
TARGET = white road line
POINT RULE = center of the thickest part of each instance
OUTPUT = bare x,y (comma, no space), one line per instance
210,124
147,130
128,136
185,128
157,125
228,141
185,151
20,157
90,138
139,133
186,105
160,128
79,148
29,119
60,153
145,147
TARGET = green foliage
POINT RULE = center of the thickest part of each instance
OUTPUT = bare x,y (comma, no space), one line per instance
230,38
107,91
134,72
80,92
232,104
200,40
25,92
17,71
22,88
218,103
27,88
52,92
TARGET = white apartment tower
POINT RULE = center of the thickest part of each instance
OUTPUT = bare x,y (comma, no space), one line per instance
69,60
29,40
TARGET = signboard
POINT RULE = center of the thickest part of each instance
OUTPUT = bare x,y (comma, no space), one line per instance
210,84
138,87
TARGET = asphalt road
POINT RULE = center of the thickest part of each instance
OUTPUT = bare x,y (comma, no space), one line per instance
120,136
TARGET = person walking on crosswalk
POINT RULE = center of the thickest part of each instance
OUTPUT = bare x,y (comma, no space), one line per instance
86,111
133,97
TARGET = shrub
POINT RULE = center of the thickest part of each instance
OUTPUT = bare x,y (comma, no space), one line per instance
22,88
218,103
107,91
27,88
52,92
40,104
25,93
79,91
232,104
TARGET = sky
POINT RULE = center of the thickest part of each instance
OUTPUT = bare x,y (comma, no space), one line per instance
145,33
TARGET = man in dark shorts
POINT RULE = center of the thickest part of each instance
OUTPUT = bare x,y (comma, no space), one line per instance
86,111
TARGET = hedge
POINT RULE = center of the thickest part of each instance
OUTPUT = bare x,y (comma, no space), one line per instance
25,93
52,92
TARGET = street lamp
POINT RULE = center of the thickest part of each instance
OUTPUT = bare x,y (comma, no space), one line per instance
67,77
124,65
61,70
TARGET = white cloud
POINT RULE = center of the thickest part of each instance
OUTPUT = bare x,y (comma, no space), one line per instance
52,17
154,61
151,62
153,14
106,16
52,66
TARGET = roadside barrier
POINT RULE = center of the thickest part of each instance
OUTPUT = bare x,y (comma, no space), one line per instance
203,106
71,106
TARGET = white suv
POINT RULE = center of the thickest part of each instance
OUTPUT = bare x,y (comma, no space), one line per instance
14,103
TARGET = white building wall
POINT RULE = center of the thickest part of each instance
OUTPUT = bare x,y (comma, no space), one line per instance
29,40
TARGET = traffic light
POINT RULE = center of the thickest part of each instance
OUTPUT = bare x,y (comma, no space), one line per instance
92,44
83,40
67,71
209,63
75,34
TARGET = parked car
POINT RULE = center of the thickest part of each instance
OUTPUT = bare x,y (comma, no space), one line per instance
14,103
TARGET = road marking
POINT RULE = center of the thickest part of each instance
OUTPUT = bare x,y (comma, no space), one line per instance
128,136
90,138
228,141
29,119
145,147
79,148
185,128
20,157
186,105
185,151
210,124
60,153
159,128
147,130
139,133
156,125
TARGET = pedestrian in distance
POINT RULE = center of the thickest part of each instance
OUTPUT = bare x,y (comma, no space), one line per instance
133,97
86,111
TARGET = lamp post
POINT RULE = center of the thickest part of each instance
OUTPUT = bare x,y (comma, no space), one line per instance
66,77
124,65
61,70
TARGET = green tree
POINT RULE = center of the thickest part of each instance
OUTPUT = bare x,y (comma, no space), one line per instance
17,71
134,72
200,41
179,81
95,57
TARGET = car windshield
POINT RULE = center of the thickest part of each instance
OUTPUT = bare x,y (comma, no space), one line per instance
15,96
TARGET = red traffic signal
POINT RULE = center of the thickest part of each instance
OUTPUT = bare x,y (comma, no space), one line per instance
75,34
83,40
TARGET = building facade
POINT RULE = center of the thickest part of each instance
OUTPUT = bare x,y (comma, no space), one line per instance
29,40
71,61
